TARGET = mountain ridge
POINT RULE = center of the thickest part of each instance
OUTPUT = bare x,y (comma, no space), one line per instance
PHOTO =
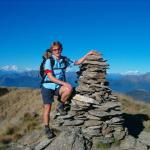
129,84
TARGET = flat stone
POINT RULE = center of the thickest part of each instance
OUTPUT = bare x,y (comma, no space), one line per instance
85,99
144,138
114,120
98,113
81,117
92,131
116,113
141,146
101,114
68,116
92,75
44,143
95,69
68,140
85,89
118,129
113,97
108,106
128,143
92,123
92,117
94,57
95,63
119,135
79,108
107,130
73,122
104,140
80,103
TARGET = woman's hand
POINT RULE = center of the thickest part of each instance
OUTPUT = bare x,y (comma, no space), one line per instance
81,60
92,53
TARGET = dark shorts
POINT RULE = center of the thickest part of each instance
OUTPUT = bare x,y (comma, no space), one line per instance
48,95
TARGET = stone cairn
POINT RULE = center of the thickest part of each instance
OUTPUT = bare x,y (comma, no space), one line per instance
94,108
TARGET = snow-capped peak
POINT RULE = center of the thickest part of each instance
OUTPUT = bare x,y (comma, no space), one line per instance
9,68
14,68
131,72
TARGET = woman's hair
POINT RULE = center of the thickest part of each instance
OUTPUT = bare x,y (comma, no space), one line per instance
47,54
56,43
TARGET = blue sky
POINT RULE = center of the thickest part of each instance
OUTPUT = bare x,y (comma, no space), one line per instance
119,29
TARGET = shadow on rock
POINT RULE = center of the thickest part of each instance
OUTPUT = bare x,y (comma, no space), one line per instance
134,123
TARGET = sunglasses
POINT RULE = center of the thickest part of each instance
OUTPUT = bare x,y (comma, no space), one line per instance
58,49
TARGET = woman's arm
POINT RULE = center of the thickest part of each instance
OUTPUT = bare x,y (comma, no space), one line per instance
81,60
57,81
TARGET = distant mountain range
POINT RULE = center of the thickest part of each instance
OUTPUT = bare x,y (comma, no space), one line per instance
137,86
126,83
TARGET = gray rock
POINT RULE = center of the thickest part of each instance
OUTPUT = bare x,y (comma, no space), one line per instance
92,117
73,122
119,135
85,89
80,103
114,120
85,99
79,108
107,106
118,129
68,116
89,123
43,144
98,113
106,130
92,131
116,113
96,63
144,138
68,140
81,117
92,75
97,143
141,146
113,97
94,57
128,143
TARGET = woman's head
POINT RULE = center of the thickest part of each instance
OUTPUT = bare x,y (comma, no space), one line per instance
56,48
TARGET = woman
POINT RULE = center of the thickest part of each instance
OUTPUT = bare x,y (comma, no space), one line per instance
55,83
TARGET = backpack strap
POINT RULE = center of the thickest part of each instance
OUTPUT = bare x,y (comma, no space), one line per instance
52,62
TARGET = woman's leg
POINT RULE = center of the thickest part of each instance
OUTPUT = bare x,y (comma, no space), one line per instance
65,92
46,114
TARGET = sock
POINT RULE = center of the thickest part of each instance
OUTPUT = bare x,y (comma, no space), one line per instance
46,126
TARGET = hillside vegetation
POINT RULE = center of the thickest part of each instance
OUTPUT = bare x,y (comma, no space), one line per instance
21,110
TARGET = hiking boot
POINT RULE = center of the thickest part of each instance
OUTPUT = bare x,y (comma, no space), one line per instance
49,133
61,109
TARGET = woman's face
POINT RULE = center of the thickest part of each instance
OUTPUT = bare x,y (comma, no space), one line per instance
56,50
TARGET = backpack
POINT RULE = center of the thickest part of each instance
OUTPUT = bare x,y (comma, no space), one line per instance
52,61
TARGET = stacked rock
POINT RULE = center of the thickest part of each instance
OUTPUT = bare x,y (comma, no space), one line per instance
94,108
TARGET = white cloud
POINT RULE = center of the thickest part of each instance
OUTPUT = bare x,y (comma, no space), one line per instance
10,68
131,72
15,68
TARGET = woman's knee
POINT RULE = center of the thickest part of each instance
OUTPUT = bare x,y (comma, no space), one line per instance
47,108
66,90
